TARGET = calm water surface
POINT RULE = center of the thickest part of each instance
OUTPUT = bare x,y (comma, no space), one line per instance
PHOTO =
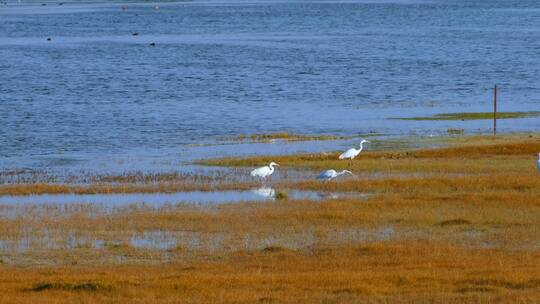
109,202
222,68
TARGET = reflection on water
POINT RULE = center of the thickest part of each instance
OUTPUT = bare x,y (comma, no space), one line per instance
265,192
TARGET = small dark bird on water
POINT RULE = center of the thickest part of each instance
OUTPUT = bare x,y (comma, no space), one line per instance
135,34
153,44
49,39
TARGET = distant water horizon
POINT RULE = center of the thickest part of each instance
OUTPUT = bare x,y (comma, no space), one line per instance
113,79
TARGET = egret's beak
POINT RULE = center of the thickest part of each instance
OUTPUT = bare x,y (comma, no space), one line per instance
276,165
367,141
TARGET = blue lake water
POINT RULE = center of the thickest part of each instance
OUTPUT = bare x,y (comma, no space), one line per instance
223,68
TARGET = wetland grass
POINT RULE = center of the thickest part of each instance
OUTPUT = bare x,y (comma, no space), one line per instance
461,226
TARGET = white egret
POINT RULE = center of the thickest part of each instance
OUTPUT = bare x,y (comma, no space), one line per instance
330,174
265,171
352,152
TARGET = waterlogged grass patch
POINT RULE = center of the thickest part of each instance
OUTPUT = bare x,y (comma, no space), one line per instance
282,195
273,249
454,131
86,286
475,116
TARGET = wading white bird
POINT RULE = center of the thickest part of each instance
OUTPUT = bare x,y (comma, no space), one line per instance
330,174
265,171
352,152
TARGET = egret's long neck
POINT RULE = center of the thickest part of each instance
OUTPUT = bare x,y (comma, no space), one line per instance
361,146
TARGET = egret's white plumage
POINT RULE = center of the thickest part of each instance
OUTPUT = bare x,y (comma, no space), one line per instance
352,152
330,174
265,171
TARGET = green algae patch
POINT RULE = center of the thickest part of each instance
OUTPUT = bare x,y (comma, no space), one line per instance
475,116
